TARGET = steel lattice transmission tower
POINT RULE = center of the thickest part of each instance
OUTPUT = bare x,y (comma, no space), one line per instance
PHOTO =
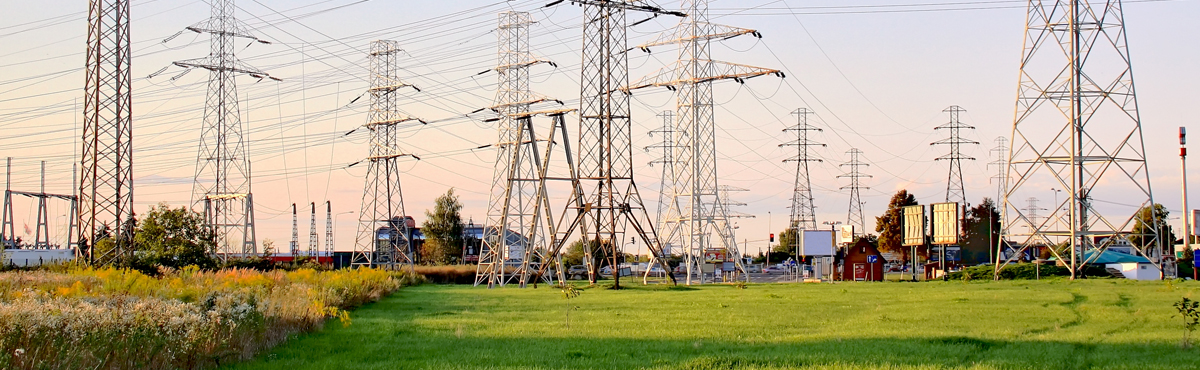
855,215
294,246
696,217
954,183
667,160
328,229
106,161
513,234
314,242
804,212
222,183
1001,164
383,235
607,201
1077,128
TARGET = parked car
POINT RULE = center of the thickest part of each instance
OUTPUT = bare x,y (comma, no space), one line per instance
577,272
773,269
754,269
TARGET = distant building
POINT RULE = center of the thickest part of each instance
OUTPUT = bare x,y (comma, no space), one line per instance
862,262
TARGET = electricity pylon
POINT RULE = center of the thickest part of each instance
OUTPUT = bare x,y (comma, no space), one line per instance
667,160
328,229
804,212
697,219
514,239
605,155
106,156
954,183
1001,164
1077,127
383,235
314,242
855,214
222,185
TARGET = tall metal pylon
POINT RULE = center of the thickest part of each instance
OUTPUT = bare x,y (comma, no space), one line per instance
667,180
106,154
954,183
1077,127
222,185
514,241
804,212
328,229
605,153
314,241
383,235
294,246
697,218
1001,164
855,214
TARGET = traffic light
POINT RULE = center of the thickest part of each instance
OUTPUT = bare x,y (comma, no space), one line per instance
772,237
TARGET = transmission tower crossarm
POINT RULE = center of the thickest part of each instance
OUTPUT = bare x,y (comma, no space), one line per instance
669,77
623,5
716,32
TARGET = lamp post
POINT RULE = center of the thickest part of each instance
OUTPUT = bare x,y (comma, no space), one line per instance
1056,205
833,230
1187,221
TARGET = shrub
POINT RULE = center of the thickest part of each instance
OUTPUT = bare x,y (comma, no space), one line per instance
450,274
186,318
1022,271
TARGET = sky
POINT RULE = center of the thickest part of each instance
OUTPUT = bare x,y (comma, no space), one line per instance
878,74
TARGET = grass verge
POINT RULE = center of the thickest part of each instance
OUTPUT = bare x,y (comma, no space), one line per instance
1048,324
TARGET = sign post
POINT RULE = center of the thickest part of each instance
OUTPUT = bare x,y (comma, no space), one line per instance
946,230
915,232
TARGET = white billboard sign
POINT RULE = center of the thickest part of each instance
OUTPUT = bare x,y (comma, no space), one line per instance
816,243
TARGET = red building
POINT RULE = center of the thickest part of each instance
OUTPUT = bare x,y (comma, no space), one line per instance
862,262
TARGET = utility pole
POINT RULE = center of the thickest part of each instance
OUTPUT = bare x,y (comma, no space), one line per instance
227,202
697,219
855,215
954,183
383,236
106,156
1187,213
1078,55
294,247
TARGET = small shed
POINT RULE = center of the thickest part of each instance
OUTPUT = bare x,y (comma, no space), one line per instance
862,262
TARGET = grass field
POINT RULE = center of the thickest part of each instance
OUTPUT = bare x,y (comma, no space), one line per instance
1057,324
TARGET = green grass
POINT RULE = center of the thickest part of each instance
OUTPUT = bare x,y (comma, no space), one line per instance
1056,324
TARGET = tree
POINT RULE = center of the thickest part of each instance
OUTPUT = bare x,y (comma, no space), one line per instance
890,225
1144,224
443,230
174,238
981,231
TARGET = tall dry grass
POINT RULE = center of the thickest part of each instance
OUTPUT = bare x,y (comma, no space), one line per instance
120,319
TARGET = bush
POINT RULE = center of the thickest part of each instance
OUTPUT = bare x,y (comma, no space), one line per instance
188,318
1022,271
451,274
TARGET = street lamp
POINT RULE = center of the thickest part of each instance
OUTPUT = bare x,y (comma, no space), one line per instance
1057,206
833,230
